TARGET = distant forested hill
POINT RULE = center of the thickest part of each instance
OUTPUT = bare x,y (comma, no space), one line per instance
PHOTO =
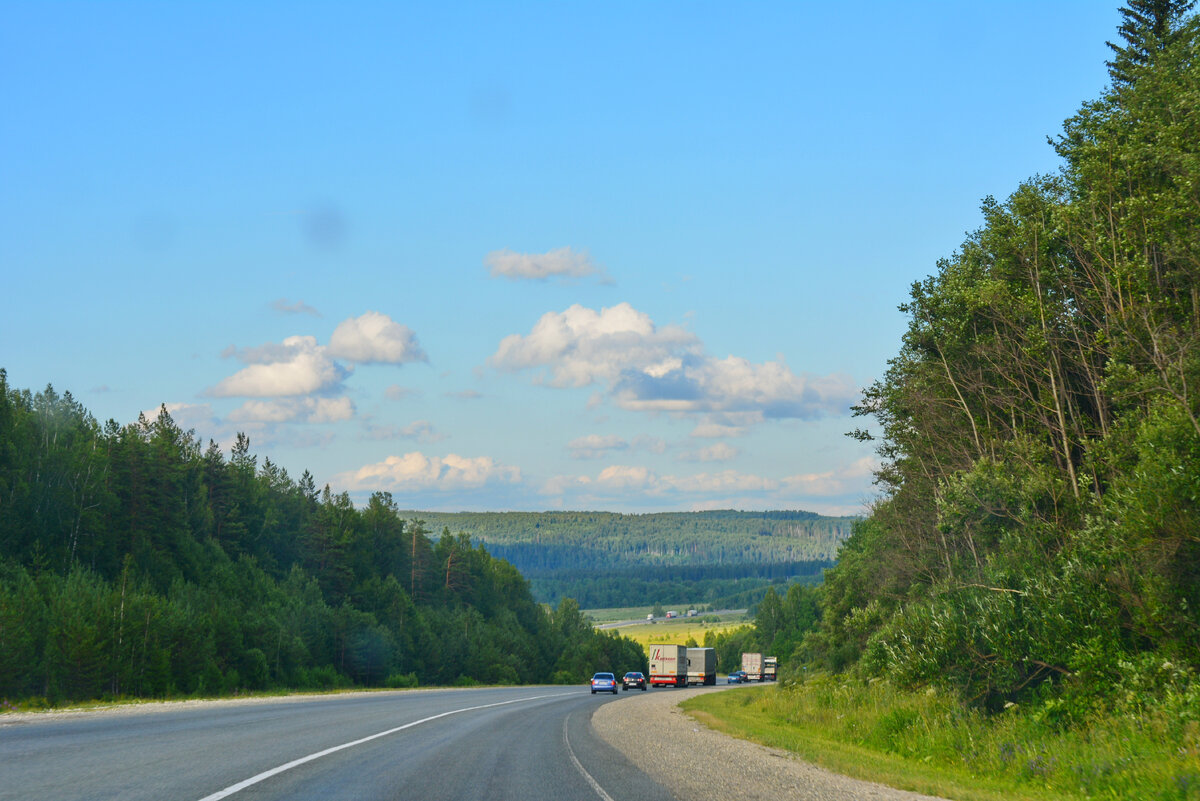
606,559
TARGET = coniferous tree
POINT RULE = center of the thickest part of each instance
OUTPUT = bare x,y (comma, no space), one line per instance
1147,27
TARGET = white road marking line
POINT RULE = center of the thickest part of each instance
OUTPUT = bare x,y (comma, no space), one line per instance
228,791
579,767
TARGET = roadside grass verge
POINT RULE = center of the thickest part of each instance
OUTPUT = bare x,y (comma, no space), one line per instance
928,742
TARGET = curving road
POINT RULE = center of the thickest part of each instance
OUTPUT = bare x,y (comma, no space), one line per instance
502,744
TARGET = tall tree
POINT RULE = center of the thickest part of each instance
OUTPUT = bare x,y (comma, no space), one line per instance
1147,27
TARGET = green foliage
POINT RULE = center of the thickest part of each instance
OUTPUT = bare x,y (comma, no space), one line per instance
135,563
1039,527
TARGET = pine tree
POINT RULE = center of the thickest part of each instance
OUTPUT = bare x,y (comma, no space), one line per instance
1148,27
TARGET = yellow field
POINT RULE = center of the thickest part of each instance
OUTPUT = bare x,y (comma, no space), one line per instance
676,630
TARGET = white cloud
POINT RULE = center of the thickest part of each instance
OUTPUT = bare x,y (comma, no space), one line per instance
768,390
838,481
724,481
581,346
720,452
712,430
627,477
291,410
416,471
562,263
651,369
594,446
375,338
298,366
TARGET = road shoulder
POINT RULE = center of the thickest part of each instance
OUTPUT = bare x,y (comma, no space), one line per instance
695,762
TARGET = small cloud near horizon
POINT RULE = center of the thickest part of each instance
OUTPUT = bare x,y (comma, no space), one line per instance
282,306
563,263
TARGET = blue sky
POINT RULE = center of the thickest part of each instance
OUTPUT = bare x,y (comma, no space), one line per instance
620,256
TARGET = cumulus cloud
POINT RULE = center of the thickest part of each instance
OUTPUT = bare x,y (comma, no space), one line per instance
581,346
652,369
769,390
561,263
293,410
594,446
375,338
629,478
416,471
298,366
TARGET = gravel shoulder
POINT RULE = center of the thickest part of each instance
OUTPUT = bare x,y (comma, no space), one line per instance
698,763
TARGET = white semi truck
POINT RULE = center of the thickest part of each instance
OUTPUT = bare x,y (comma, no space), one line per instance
702,666
668,666
752,665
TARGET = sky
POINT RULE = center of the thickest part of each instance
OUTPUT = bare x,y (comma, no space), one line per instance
614,256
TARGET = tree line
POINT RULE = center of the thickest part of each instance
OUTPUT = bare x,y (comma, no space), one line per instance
134,561
718,586
553,540
1038,528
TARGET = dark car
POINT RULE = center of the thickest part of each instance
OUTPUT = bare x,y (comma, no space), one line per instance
605,683
632,680
736,677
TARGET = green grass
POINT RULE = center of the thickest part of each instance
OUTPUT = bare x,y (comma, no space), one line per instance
929,742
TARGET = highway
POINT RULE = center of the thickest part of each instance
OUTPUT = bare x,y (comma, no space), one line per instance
499,744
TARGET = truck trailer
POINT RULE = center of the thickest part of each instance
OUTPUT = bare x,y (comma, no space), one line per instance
668,666
702,666
770,668
752,664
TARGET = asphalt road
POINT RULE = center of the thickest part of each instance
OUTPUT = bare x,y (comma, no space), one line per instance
504,744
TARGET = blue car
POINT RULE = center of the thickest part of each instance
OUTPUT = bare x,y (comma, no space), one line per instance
605,683
736,677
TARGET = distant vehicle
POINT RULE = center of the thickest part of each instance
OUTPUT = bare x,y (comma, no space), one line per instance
633,680
604,683
753,665
736,677
650,617
672,614
691,613
770,668
702,666
668,665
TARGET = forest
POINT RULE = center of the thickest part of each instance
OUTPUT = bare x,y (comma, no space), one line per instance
605,559
1037,535
134,562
